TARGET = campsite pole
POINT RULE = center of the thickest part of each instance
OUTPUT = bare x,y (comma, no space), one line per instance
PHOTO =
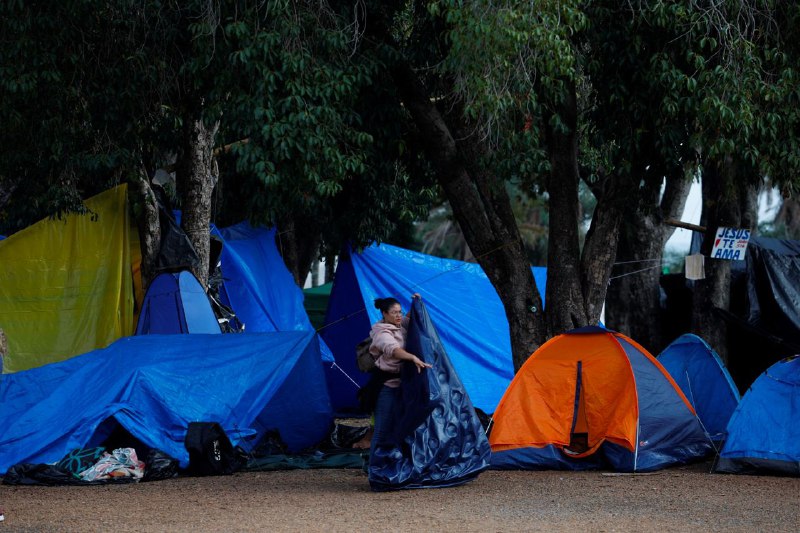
684,225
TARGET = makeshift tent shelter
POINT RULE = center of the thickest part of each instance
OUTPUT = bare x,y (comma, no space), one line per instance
315,301
65,284
258,286
461,301
154,385
765,302
438,440
590,398
763,433
704,380
764,319
175,302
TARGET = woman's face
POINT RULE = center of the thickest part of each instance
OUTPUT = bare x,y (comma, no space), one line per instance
394,315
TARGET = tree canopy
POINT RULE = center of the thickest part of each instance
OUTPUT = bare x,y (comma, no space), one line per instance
344,122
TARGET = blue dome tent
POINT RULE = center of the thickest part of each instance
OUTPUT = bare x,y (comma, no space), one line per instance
704,380
763,433
175,302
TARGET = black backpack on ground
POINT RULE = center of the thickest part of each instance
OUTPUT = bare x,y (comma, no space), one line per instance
210,450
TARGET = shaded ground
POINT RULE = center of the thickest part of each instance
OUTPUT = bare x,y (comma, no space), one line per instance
678,499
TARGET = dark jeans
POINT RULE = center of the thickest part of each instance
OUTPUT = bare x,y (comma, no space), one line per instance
388,399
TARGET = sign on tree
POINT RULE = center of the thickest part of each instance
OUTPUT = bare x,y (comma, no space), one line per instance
730,243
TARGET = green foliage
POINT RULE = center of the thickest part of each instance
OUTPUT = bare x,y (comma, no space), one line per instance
525,52
328,139
115,83
439,234
92,93
58,141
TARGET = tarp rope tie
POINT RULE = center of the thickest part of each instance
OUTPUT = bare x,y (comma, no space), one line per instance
334,365
636,261
634,272
705,430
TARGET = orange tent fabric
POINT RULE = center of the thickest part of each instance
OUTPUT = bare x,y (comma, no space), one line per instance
543,405
539,405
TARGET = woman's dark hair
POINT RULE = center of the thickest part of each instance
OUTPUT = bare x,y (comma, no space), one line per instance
384,304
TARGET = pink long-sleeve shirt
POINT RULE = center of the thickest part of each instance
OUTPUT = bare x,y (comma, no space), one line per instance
385,339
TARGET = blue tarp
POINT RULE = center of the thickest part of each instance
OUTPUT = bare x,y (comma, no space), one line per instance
439,441
259,287
704,380
461,301
154,385
175,302
764,433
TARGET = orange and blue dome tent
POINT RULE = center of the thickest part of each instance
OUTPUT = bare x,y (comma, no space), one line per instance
594,398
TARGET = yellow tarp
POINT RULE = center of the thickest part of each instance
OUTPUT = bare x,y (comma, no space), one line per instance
66,285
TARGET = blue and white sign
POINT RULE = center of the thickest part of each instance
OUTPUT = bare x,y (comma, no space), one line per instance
730,243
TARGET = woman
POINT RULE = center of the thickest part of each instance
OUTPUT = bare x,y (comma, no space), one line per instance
388,348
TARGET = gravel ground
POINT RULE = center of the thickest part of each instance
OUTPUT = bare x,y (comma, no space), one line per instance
677,499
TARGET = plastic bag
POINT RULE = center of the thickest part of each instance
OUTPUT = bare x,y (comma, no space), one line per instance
122,462
159,465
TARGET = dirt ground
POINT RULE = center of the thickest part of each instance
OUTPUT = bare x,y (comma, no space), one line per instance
678,499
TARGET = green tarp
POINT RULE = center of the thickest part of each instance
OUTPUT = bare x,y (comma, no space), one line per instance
316,303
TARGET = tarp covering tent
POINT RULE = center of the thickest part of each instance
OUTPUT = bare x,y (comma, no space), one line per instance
704,380
154,385
592,398
461,300
765,301
773,287
764,433
258,286
65,285
438,440
764,313
175,302
315,301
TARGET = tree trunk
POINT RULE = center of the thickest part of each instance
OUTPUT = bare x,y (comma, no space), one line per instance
722,204
298,240
3,348
565,304
330,267
483,210
196,176
787,220
599,253
149,228
633,304
315,273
